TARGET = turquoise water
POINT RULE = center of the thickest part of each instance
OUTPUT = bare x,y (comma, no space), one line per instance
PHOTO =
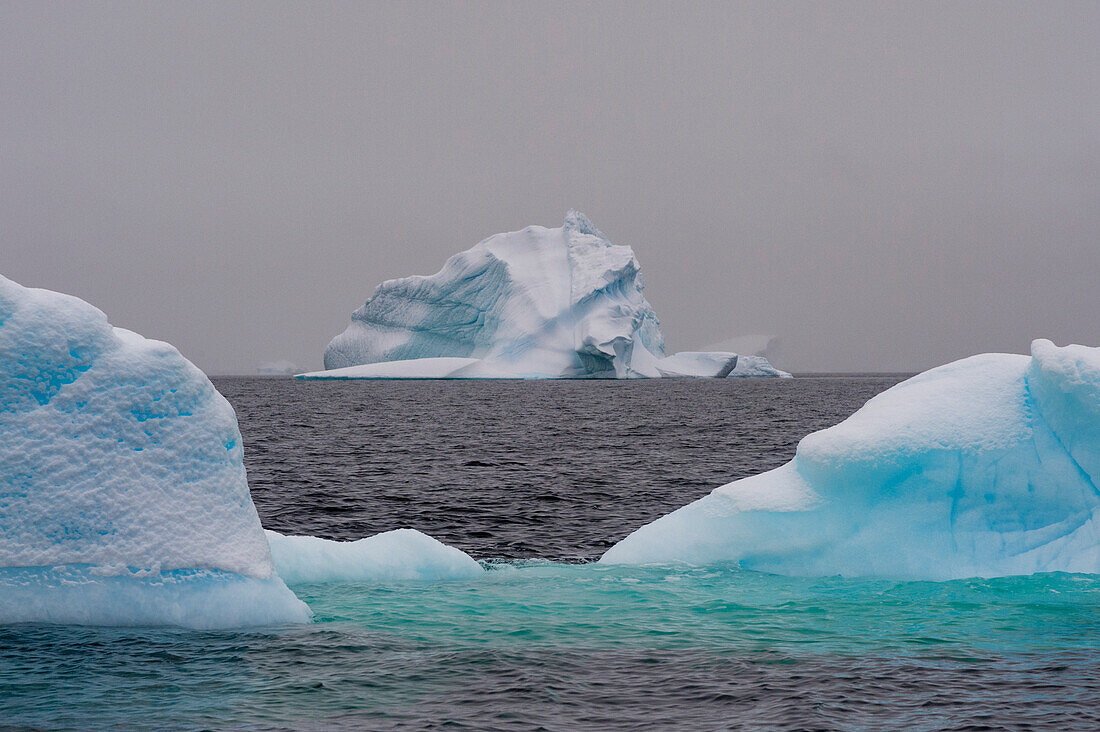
723,607
566,646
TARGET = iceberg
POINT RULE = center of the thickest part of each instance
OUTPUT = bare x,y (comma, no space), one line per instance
392,556
123,497
536,303
533,304
717,364
756,366
987,466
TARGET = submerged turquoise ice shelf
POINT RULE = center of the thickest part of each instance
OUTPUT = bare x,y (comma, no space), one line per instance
581,644
722,607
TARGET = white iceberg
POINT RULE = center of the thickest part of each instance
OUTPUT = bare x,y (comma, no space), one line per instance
123,497
987,466
538,303
400,555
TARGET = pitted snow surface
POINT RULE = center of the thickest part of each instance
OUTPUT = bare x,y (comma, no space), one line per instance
123,496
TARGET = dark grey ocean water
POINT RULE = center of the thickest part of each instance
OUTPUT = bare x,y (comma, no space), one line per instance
556,470
548,475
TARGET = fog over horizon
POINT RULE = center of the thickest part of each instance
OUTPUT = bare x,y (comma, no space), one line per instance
885,187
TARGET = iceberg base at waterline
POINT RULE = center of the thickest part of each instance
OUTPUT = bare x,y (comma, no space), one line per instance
987,466
688,364
444,367
193,598
213,599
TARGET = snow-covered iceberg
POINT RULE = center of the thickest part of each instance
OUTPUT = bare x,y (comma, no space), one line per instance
123,497
986,466
536,303
400,555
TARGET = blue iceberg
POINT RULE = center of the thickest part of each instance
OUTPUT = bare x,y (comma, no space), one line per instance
123,497
987,466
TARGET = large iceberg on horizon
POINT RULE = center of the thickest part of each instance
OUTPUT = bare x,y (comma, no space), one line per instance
536,303
123,497
533,304
986,466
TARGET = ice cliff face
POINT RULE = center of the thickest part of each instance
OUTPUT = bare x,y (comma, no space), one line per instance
123,496
986,466
532,303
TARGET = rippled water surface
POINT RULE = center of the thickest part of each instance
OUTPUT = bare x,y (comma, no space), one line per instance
546,469
534,479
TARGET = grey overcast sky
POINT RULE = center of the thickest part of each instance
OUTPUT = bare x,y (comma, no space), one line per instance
886,186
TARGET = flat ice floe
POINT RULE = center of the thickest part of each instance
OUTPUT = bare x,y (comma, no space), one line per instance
123,497
533,304
986,466
393,556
